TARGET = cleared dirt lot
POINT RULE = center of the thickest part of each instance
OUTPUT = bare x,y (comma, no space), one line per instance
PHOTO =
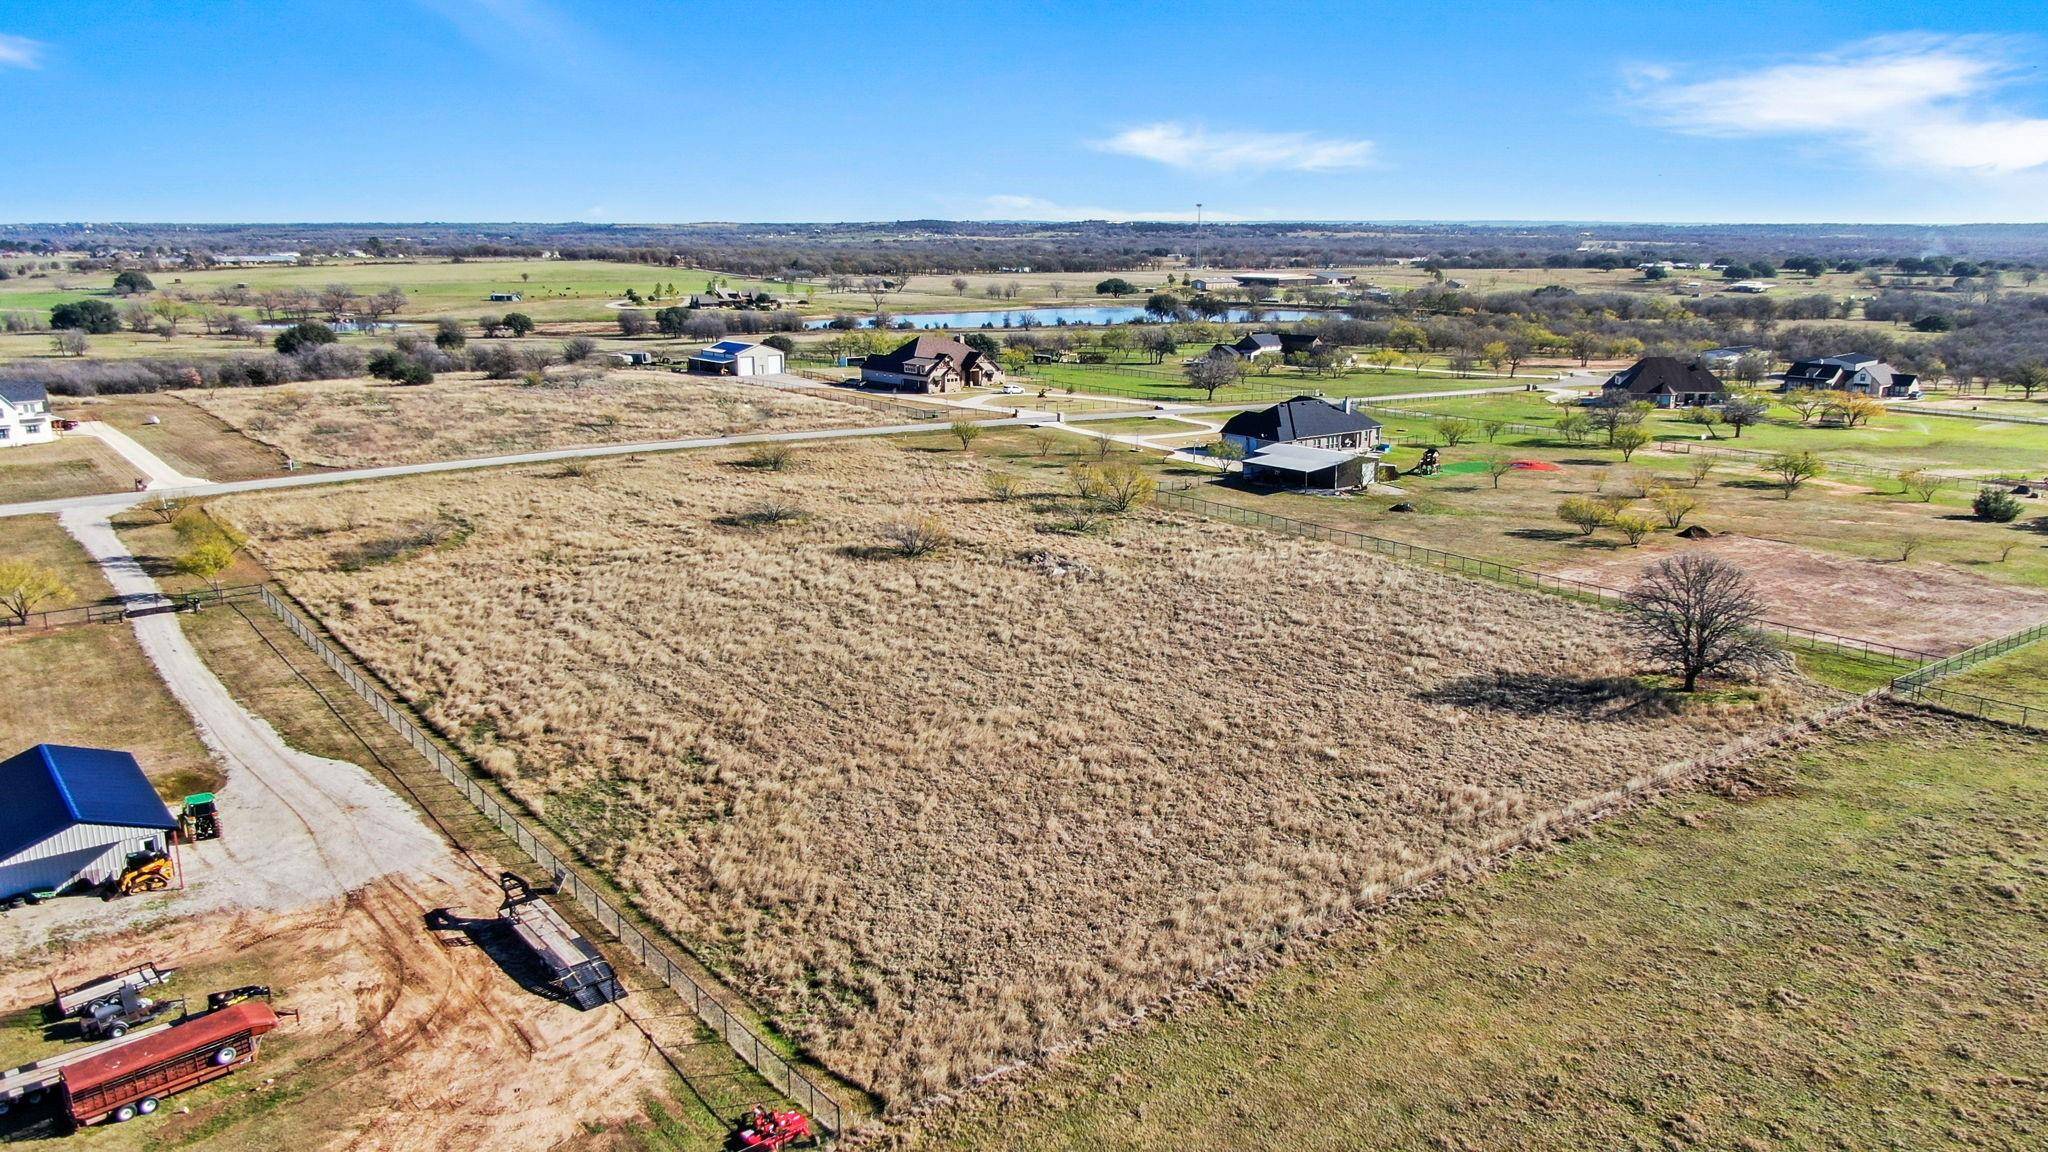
1931,607
351,423
939,813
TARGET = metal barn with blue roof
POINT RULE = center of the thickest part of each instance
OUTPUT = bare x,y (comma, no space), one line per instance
75,815
737,358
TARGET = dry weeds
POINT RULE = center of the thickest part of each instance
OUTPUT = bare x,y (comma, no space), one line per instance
940,812
353,424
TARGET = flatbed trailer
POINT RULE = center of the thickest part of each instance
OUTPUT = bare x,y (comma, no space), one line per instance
575,967
32,1082
82,998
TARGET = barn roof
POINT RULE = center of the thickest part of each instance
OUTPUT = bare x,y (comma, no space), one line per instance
1298,458
1298,419
51,787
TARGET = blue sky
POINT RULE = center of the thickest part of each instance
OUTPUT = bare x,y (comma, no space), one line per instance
548,110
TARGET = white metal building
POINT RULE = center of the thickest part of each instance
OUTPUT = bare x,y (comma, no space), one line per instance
74,815
737,358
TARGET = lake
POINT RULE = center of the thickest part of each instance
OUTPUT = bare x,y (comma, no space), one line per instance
1061,317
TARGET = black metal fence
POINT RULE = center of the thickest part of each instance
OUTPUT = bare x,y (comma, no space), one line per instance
122,610
783,1076
1919,687
1801,635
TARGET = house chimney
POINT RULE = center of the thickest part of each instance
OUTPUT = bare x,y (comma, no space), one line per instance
1350,403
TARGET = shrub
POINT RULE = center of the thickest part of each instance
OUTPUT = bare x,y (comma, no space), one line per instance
920,537
307,334
1003,486
773,456
1996,505
1584,513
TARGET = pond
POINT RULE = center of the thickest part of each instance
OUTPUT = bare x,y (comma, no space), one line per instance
1061,317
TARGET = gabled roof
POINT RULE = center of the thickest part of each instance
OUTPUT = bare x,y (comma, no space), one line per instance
1259,342
1301,418
51,787
1662,375
22,391
927,349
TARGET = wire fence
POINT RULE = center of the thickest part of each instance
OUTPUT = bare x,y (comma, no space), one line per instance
126,609
1919,687
780,1074
1813,638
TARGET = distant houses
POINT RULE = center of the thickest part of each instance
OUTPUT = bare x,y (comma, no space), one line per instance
1725,359
1854,372
1281,344
931,364
737,358
1664,382
24,414
267,259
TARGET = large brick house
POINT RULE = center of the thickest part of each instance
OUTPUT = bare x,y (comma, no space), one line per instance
931,364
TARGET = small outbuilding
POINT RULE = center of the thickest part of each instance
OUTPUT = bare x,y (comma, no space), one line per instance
74,816
737,358
1295,466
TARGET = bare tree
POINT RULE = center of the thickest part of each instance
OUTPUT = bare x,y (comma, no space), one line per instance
1921,484
1453,431
1210,373
1698,615
1698,467
965,431
1498,464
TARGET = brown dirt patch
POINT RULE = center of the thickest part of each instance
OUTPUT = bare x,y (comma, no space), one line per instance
402,1042
1930,607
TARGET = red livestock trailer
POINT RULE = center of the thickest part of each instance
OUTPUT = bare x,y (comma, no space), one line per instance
131,1080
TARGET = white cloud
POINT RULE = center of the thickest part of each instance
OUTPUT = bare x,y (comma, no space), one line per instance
1198,149
1011,207
20,52
1902,100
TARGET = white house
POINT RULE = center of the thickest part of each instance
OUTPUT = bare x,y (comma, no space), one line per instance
737,358
24,414
75,816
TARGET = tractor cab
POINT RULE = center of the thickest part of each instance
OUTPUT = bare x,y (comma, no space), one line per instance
200,819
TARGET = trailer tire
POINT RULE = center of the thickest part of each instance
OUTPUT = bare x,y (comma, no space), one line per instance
124,1113
117,1030
148,1105
225,1056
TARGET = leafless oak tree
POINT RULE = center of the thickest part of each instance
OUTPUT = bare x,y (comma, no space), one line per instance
1698,615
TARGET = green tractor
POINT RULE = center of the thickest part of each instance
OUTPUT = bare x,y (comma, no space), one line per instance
200,819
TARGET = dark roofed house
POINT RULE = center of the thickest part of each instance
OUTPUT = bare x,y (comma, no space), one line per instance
1252,346
931,364
1306,422
1665,382
74,816
1854,372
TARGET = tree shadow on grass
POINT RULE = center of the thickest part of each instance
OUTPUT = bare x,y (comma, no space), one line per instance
1546,534
1544,694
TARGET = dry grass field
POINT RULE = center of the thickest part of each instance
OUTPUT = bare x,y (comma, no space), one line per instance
939,813
354,423
72,466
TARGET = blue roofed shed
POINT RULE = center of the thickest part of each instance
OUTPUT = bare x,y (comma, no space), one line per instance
74,816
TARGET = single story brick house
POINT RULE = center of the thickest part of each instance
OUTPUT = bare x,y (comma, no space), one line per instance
1305,422
1665,382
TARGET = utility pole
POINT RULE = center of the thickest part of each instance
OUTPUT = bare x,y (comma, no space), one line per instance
1198,234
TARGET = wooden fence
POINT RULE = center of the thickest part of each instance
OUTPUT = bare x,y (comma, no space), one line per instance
783,1076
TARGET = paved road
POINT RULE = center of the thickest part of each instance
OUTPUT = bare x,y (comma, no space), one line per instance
153,469
112,502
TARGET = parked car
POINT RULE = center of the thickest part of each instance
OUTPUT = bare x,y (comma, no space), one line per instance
1011,390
